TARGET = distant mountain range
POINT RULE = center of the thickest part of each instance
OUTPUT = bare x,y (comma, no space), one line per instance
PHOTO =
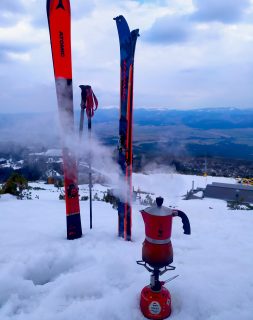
219,118
220,132
209,118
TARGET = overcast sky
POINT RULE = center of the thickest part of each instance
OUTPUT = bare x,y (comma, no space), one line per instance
191,53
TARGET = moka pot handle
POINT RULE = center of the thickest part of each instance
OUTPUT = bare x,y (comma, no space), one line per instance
185,221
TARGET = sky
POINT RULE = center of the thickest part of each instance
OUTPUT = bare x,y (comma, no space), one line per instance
190,53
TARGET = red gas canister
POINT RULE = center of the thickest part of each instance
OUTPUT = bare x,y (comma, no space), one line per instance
155,305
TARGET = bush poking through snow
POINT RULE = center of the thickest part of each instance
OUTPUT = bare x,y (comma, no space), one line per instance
25,195
110,198
61,196
148,201
17,185
237,205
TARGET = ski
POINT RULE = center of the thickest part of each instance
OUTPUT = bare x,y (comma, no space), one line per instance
59,22
127,41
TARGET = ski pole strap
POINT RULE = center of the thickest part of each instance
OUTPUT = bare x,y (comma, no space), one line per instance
88,100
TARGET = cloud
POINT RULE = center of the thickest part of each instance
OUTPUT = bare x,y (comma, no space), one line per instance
178,28
225,11
6,21
174,73
3,56
10,51
11,6
15,47
10,11
79,10
169,30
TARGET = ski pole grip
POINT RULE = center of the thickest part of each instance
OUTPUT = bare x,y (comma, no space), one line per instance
185,221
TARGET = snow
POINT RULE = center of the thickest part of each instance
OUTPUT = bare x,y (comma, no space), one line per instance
48,153
11,164
43,276
53,153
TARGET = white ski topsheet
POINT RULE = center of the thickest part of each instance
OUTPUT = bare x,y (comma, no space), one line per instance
45,277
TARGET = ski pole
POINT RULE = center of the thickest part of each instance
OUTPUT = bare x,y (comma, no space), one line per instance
90,173
81,122
90,103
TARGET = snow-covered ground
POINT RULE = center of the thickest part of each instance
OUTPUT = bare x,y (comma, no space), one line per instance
43,276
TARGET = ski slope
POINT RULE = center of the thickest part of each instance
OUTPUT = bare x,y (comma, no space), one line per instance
43,276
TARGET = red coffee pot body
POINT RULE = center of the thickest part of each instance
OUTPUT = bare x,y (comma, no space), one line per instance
157,248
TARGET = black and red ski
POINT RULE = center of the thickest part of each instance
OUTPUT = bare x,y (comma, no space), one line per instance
127,41
59,22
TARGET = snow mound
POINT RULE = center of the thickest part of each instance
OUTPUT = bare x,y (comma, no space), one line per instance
44,276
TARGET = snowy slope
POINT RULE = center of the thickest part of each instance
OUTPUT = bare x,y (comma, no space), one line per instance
45,277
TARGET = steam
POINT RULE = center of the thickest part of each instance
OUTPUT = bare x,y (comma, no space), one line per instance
153,168
85,147
102,161
30,131
41,131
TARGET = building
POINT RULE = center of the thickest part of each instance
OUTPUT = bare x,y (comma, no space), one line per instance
54,177
227,191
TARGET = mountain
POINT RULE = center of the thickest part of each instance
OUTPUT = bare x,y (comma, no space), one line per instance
220,132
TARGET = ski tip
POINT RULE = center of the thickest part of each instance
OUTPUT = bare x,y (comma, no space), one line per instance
60,5
48,8
119,18
136,32
84,86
